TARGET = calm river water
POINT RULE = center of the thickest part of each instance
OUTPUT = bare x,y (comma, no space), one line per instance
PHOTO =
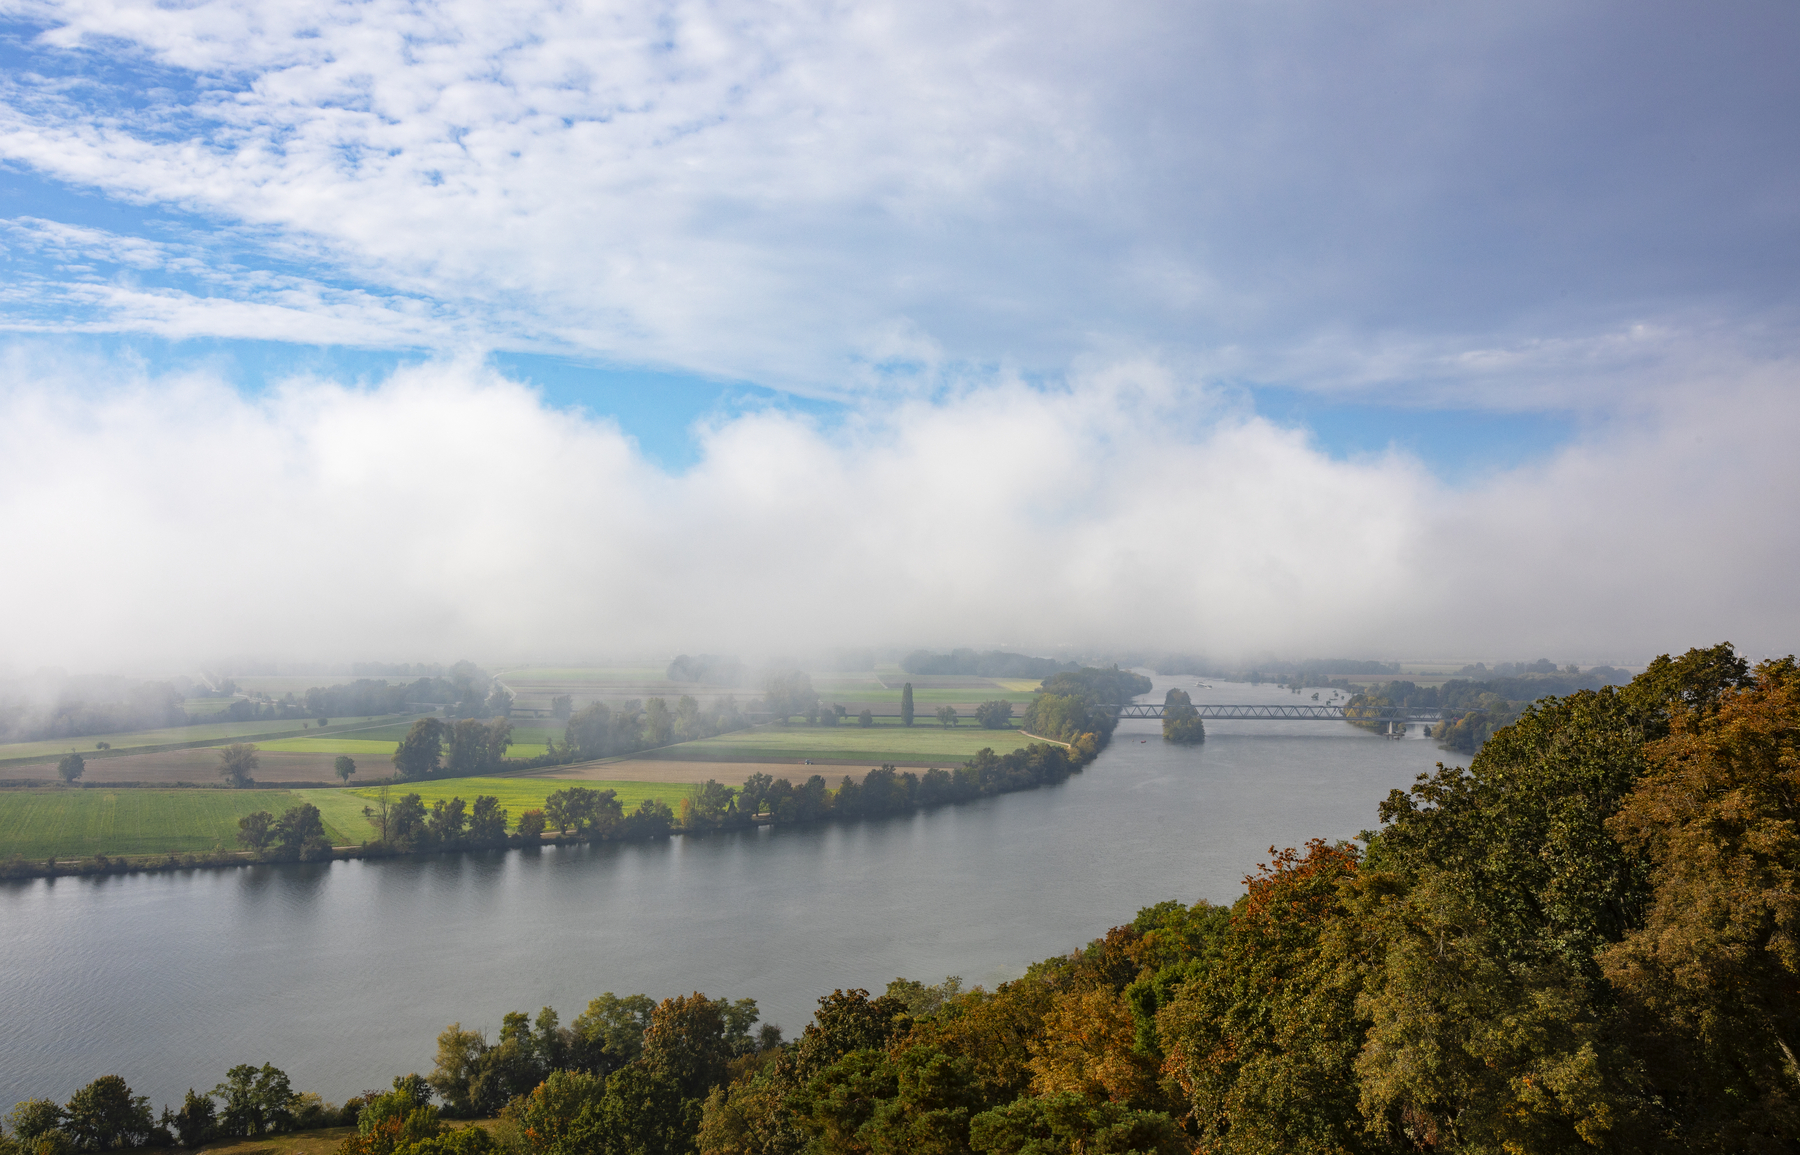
343,974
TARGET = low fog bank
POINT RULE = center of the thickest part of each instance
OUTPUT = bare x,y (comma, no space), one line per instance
158,524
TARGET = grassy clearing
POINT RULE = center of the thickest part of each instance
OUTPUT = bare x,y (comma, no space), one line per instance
173,736
78,823
517,795
889,743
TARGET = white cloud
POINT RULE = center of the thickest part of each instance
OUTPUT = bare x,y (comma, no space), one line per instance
449,511
789,192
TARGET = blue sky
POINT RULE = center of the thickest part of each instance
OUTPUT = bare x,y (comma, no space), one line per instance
1458,256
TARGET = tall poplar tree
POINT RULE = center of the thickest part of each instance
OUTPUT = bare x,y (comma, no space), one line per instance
906,709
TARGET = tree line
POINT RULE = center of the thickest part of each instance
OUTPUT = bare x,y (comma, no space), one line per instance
1585,940
993,664
1475,709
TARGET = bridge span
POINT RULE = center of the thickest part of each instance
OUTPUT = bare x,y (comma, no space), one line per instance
1211,711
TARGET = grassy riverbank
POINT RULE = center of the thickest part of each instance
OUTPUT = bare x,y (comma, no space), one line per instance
64,822
78,823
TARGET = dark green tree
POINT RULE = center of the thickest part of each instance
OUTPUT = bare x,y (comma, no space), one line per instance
866,719
71,766
301,831
256,831
487,821
610,1032
344,766
995,715
197,1121
419,752
947,715
105,1114
258,1100
906,705
1181,722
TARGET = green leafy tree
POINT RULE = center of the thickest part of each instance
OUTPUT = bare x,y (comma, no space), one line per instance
589,732
257,1101
301,831
31,1118
105,1114
995,715
946,715
531,826
459,1060
906,704
487,821
71,767
652,819
197,1121
344,766
446,821
866,719
420,750
237,764
257,831
406,821
1181,721
610,1032
561,706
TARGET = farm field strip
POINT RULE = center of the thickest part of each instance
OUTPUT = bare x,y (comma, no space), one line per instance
172,736
875,744
78,823
517,795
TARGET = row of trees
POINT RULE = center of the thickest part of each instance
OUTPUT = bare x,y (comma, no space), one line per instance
407,824
298,835
105,1115
474,747
599,730
993,664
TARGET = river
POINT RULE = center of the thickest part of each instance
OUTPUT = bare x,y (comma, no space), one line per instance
343,973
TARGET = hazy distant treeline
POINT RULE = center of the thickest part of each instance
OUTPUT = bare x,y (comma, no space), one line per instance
710,669
83,706
599,730
1476,709
993,664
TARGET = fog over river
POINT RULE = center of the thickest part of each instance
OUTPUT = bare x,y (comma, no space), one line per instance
343,973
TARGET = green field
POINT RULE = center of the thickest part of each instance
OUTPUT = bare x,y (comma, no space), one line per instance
78,823
921,742
172,736
517,795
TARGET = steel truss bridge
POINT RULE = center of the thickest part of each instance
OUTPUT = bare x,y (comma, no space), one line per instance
1290,713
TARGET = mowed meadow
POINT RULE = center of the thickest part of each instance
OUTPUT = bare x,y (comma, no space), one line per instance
924,742
79,823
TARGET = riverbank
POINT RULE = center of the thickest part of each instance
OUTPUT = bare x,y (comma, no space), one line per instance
37,826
